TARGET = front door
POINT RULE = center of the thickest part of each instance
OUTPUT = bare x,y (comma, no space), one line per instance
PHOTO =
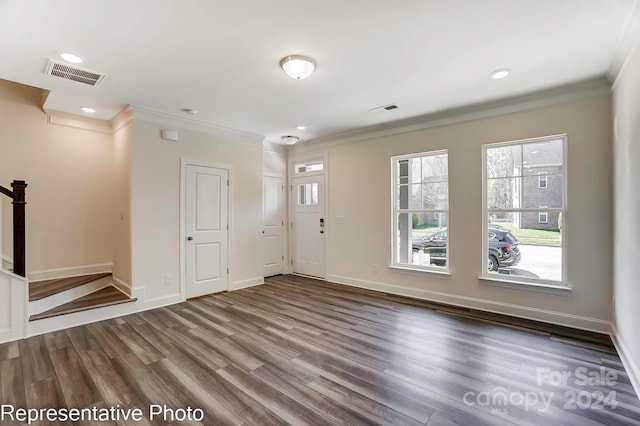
206,230
273,222
309,225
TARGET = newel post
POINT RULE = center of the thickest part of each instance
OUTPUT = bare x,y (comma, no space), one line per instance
19,228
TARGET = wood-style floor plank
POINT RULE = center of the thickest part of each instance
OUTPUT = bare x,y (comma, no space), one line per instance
300,351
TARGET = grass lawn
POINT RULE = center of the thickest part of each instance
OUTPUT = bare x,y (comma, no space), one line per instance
542,237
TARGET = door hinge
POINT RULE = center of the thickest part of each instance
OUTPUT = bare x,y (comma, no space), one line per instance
291,225
283,258
227,271
227,182
291,262
291,188
227,227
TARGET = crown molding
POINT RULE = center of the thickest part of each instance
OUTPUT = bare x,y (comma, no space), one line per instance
171,120
628,42
77,121
576,92
121,119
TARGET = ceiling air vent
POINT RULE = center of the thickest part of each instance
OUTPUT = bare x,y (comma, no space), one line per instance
81,75
384,108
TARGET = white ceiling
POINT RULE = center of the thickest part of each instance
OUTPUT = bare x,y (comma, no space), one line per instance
222,57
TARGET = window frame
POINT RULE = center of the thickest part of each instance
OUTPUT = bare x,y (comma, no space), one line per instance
533,282
395,211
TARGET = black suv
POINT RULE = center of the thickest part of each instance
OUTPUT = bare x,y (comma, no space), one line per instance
503,248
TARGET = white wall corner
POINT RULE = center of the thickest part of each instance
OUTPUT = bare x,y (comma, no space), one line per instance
238,285
633,370
121,119
630,39
525,312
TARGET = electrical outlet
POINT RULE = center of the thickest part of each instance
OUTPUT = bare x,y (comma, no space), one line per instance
168,280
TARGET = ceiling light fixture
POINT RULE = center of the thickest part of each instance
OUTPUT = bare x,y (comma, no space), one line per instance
290,140
301,127
71,57
190,111
298,67
88,109
501,73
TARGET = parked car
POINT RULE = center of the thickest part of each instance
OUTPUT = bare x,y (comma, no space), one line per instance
503,248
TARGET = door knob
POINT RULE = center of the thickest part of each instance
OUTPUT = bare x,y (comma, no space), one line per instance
322,231
189,238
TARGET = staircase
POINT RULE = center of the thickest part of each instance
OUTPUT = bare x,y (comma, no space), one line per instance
50,298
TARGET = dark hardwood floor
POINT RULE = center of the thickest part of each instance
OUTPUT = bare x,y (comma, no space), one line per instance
305,352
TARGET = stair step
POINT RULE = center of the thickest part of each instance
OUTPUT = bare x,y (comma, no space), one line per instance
41,289
106,297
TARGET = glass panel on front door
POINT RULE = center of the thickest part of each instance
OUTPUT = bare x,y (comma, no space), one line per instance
308,194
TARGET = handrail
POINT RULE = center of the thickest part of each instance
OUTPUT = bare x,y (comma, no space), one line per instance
19,225
6,192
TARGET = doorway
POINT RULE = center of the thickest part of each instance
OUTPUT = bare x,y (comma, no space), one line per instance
273,224
206,229
309,225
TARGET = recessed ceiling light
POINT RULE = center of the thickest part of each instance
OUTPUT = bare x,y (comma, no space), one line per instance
71,57
501,73
290,140
301,127
297,66
88,109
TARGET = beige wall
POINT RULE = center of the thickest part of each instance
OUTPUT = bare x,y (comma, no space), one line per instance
121,207
359,190
155,204
627,206
69,174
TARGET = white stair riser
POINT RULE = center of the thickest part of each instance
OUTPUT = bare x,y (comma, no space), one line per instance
55,300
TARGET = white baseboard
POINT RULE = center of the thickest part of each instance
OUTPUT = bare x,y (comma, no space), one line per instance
121,285
7,262
627,360
237,285
73,271
5,335
525,312
62,322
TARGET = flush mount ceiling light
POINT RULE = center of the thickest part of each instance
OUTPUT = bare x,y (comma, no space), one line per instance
290,140
501,73
298,67
88,109
301,127
71,57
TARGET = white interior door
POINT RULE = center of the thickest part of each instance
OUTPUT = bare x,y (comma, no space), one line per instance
206,230
309,226
273,218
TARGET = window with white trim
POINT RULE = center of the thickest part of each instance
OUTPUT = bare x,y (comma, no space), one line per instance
421,211
543,217
524,205
542,180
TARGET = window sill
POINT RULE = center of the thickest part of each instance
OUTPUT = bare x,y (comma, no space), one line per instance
561,290
416,271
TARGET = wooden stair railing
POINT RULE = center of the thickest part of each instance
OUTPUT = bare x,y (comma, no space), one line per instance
19,225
